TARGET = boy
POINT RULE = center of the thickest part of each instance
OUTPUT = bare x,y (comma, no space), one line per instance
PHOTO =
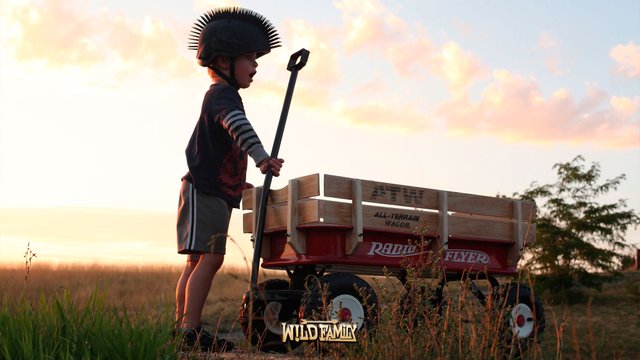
228,42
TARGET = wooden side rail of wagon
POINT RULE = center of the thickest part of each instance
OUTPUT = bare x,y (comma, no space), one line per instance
360,207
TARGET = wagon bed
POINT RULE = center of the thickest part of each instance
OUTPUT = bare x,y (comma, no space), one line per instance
371,227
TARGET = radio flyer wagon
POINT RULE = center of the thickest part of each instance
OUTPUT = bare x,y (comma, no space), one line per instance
369,228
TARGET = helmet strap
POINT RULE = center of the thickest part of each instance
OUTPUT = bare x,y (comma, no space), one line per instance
230,79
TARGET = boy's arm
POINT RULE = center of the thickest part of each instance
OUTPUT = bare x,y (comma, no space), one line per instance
240,129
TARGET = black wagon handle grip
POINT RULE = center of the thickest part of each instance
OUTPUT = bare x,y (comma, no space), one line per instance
298,60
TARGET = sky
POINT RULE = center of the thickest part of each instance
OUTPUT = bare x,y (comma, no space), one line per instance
99,98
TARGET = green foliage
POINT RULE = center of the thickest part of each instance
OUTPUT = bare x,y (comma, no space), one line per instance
58,328
627,262
577,235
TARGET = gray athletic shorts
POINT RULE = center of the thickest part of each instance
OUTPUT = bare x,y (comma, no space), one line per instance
203,222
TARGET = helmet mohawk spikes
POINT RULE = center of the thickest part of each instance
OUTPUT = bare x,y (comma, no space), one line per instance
225,30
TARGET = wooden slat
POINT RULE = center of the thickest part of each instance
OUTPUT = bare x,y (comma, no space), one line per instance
528,210
513,255
296,239
340,214
384,218
381,218
255,203
335,213
529,233
480,205
480,229
443,221
400,220
382,193
425,198
247,223
529,216
277,216
308,186
355,238
308,211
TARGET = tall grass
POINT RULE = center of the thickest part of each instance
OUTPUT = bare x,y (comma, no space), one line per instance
57,327
75,311
409,326
103,312
60,325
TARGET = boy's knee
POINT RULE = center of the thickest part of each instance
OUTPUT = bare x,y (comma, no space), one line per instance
192,262
213,261
219,261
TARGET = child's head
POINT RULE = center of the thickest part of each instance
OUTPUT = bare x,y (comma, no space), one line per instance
244,68
229,40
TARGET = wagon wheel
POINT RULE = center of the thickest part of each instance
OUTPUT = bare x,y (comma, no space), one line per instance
268,316
521,315
348,298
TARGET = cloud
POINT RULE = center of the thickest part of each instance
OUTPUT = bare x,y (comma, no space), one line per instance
322,69
625,105
319,76
548,43
413,58
369,25
210,4
627,59
458,67
553,66
65,34
512,107
362,109
547,40
369,105
306,94
55,33
148,45
392,114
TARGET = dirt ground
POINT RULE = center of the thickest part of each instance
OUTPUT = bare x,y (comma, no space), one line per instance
240,352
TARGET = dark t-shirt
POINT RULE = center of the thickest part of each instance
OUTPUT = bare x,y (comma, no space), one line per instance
216,155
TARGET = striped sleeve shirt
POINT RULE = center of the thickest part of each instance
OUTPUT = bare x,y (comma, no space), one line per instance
220,145
240,129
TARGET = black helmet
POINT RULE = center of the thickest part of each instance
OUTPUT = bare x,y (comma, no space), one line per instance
231,31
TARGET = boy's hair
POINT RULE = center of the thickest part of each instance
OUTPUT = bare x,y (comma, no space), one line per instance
231,31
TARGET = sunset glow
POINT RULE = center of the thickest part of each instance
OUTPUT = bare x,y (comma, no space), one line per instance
98,99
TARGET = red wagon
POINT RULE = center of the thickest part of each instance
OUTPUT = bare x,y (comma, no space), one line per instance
374,228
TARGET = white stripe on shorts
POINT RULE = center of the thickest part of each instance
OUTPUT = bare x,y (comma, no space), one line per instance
193,217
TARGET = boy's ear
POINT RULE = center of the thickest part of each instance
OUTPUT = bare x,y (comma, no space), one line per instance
223,62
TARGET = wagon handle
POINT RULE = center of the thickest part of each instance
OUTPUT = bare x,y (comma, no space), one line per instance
297,61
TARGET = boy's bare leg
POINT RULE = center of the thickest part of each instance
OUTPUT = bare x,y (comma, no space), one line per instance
198,287
192,261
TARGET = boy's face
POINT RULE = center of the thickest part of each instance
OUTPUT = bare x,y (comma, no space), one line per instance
245,67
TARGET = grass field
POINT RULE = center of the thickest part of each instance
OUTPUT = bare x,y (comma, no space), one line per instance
129,311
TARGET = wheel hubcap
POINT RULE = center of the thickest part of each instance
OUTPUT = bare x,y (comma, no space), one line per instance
346,308
271,316
522,321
